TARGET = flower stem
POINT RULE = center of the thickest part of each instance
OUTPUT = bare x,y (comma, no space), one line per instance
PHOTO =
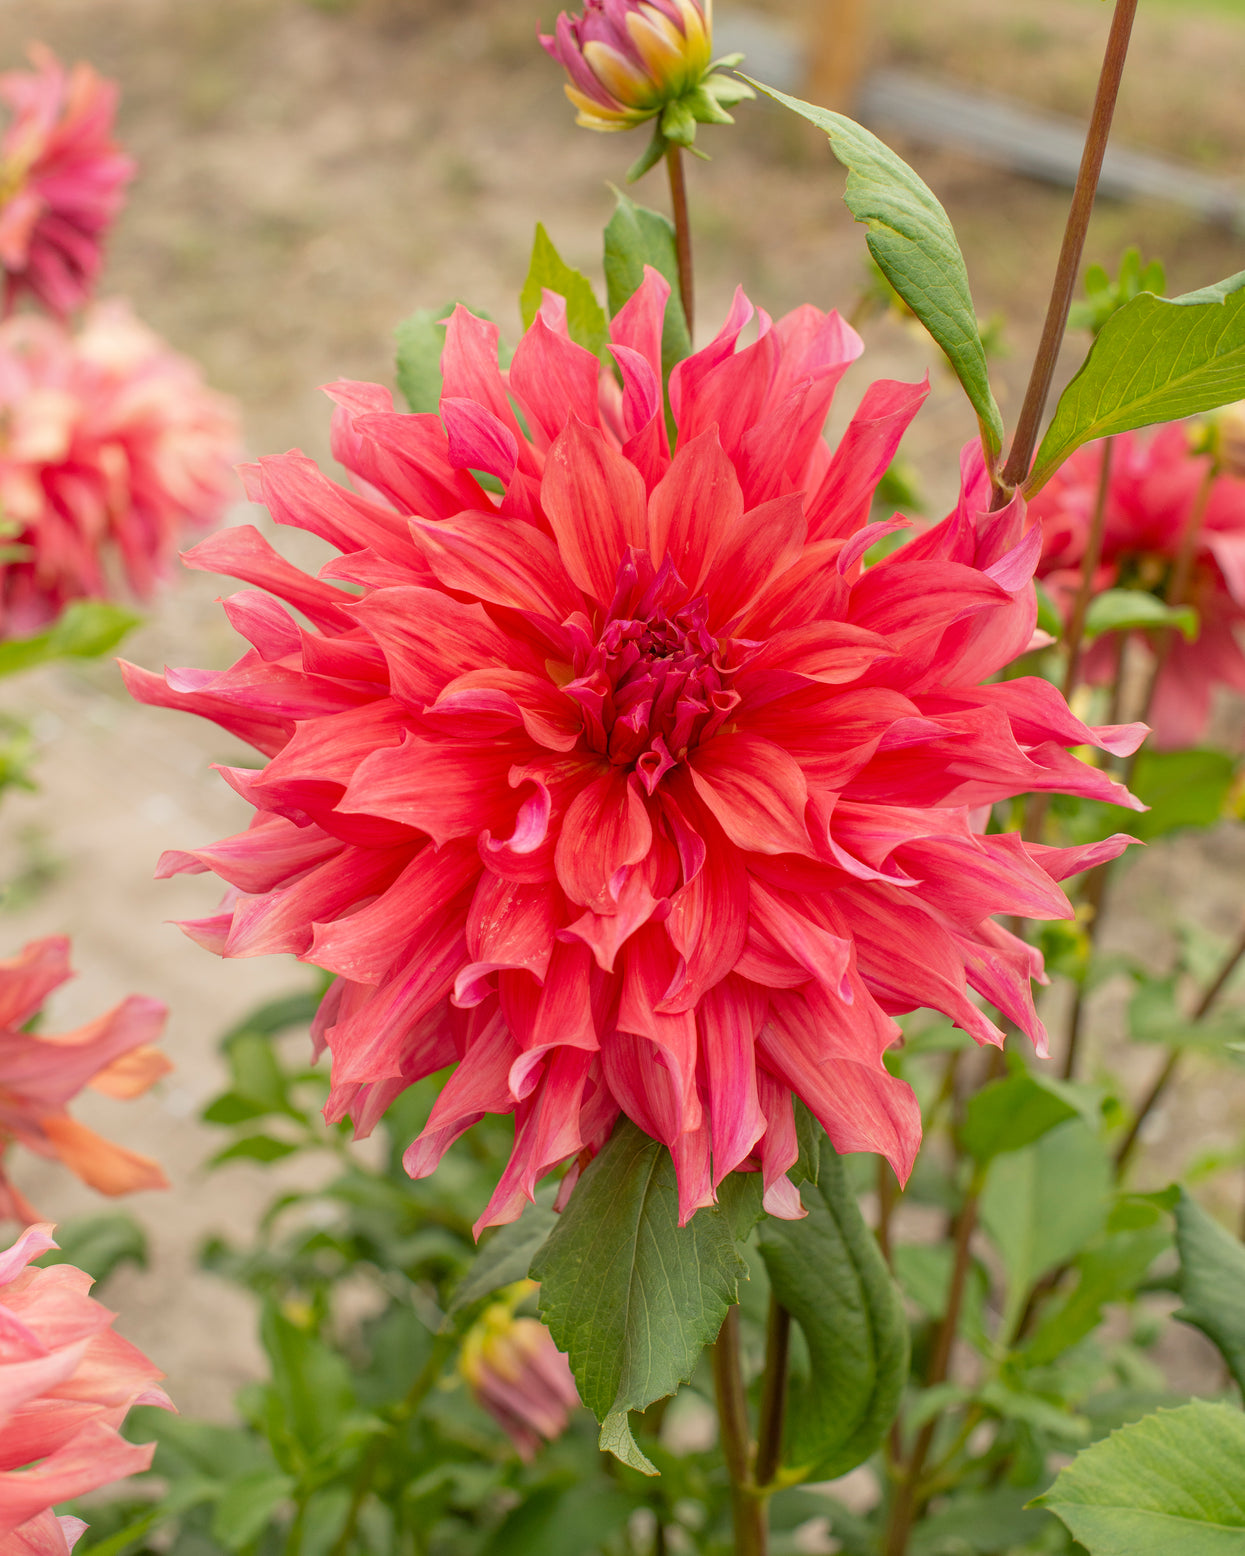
1204,1006
682,232
1025,441
773,1393
748,1509
1075,636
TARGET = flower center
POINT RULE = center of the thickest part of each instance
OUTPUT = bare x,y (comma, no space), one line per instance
654,683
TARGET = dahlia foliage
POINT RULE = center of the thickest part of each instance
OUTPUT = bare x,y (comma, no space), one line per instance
517,1373
41,1072
110,447
62,180
633,791
1155,493
66,1384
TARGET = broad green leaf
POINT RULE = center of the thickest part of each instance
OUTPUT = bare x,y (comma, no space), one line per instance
99,1244
86,629
506,1257
420,339
1155,1016
828,1273
635,237
1182,789
1009,1114
310,1382
628,1294
1035,1410
585,318
979,1521
557,1520
1122,610
246,1507
911,238
924,1272
185,1446
1110,1271
1172,1484
1212,1282
1043,1203
279,1015
1155,359
254,1148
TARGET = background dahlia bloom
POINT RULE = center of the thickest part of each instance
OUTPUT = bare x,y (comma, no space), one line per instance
627,59
1153,488
110,447
62,180
631,791
40,1072
66,1384
517,1374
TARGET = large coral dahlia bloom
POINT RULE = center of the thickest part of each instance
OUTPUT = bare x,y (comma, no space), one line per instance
632,790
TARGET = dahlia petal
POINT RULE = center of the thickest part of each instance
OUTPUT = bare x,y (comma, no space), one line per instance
841,503
512,923
469,371
48,1069
596,502
690,1153
499,562
708,921
296,492
269,853
446,789
100,1163
282,921
478,440
764,543
555,379
755,791
1001,967
95,1457
263,731
242,552
605,831
780,1148
728,1018
823,956
28,978
257,617
642,397
429,638
1060,863
606,933
696,502
638,324
649,965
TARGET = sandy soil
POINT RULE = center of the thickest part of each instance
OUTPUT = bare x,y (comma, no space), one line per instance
310,173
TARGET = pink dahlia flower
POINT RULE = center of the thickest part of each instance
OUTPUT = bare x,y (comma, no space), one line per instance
66,1384
1154,485
62,180
41,1072
519,1376
633,791
110,447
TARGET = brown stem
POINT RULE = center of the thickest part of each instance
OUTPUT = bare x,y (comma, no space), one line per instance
773,1393
1075,634
748,1510
1025,441
682,232
888,1198
908,1495
1094,896
1164,1078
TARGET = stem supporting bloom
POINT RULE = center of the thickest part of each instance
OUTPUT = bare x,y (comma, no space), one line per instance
682,232
1025,441
748,1509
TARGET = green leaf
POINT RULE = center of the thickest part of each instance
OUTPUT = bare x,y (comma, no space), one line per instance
1121,610
99,1244
1111,1271
420,339
247,1506
1155,1016
829,1274
254,1148
1155,359
279,1015
1009,1114
628,1294
311,1383
1182,789
585,318
635,237
561,1521
988,1521
1172,1484
912,240
1212,1282
924,1272
1041,1204
506,1257
87,629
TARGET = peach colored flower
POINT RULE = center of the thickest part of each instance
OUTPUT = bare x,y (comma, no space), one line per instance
62,180
66,1384
633,790
110,448
41,1072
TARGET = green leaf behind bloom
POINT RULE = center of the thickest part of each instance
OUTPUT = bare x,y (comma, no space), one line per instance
1122,610
911,238
1212,1283
1009,1114
585,318
86,629
635,237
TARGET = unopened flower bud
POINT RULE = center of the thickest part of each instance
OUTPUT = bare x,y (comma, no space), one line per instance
634,60
517,1373
1226,439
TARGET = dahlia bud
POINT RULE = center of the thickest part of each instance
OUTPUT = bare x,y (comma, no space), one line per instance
517,1373
634,60
1225,438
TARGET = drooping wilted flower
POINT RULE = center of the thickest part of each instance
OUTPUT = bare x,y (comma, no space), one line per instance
517,1373
1155,484
630,61
633,790
67,1383
62,180
110,448
41,1072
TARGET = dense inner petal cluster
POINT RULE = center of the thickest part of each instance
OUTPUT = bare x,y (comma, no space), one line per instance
633,790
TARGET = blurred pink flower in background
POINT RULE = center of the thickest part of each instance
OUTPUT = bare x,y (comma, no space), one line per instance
66,1384
518,1375
633,790
110,448
41,1072
62,180
1154,487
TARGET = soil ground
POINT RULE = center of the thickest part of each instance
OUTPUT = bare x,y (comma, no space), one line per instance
311,173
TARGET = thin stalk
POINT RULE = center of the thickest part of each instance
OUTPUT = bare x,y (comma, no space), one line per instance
1094,896
773,1393
1025,441
1075,635
907,1502
682,232
748,1510
888,1198
1164,1078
